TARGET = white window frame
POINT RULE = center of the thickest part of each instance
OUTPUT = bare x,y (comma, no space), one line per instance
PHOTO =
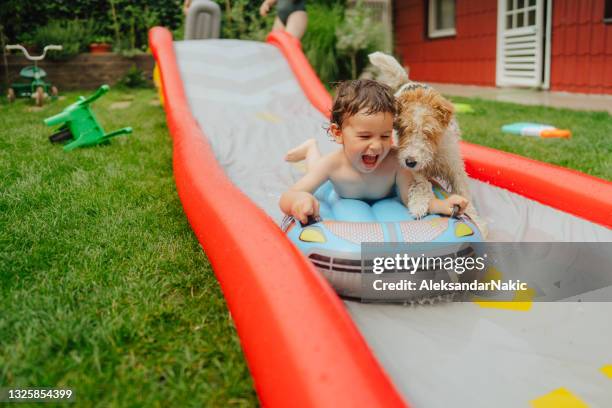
431,31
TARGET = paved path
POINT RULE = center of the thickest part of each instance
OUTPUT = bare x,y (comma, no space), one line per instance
530,97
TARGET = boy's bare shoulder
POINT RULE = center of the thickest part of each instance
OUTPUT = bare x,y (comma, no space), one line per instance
332,161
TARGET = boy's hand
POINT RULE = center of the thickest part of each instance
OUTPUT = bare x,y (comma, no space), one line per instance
445,207
264,9
305,206
456,200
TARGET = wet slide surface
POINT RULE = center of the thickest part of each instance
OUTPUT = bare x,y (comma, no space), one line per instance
251,108
248,103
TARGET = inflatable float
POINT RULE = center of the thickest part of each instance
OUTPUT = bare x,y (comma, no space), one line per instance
333,244
233,109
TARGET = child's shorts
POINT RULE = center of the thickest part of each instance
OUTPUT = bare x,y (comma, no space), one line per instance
286,7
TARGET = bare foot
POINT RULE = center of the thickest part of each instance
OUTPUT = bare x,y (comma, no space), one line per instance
299,153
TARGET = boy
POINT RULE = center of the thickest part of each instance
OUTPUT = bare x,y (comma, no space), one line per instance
366,168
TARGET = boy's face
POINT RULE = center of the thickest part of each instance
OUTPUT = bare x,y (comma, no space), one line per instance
366,139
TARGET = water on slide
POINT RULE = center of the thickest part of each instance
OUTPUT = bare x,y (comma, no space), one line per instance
250,106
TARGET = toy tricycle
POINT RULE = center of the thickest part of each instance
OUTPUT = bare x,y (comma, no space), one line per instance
36,88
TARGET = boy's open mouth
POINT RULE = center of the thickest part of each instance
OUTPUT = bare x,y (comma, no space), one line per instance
369,160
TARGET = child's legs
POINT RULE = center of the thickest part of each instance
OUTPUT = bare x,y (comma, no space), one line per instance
308,151
278,25
296,24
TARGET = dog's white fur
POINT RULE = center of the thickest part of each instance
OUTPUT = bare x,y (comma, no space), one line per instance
427,137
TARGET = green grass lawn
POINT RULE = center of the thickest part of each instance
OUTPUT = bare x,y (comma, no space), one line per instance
589,150
103,286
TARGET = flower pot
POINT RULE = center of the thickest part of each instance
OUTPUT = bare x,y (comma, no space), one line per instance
99,48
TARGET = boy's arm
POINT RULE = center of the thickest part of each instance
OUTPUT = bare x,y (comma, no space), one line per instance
298,201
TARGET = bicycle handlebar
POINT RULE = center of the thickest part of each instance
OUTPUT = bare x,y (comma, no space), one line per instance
21,48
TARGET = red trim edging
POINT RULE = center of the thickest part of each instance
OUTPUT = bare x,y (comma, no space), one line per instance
567,190
306,76
302,347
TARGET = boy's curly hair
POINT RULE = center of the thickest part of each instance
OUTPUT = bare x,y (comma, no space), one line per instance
356,95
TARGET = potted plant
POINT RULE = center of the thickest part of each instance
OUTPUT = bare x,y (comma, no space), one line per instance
100,45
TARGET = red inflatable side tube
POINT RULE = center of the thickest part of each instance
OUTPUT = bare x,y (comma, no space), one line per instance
301,346
291,48
567,190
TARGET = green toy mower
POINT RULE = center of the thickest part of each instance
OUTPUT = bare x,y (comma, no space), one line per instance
33,84
79,126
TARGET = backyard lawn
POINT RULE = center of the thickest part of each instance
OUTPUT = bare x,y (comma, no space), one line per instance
589,150
103,286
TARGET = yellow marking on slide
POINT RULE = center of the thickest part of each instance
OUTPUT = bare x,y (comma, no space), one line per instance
559,398
492,274
268,117
607,370
521,302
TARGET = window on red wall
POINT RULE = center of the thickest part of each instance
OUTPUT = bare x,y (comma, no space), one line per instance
608,12
441,16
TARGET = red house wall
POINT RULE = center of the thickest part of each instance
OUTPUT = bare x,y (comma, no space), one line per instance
581,47
466,58
581,58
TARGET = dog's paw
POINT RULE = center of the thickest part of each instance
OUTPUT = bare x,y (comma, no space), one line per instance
418,208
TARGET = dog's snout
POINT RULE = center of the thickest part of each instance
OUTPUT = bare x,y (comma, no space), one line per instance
410,162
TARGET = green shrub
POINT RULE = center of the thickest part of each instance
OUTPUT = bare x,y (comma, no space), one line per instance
338,39
133,17
358,35
101,39
319,42
134,78
129,22
240,19
73,35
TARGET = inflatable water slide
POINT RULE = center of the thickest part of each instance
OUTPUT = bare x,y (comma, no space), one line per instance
233,109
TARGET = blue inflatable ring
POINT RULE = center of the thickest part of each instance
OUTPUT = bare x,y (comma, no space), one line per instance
333,244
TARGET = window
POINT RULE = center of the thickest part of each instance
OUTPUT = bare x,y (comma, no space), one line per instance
521,14
608,12
441,18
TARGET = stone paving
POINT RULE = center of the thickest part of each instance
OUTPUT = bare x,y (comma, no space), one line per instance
530,97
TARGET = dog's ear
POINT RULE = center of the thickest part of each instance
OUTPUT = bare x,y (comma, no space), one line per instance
398,113
398,107
444,110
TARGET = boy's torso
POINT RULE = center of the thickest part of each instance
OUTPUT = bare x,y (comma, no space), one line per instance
380,183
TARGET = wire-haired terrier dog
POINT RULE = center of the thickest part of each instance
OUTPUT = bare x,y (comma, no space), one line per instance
427,138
